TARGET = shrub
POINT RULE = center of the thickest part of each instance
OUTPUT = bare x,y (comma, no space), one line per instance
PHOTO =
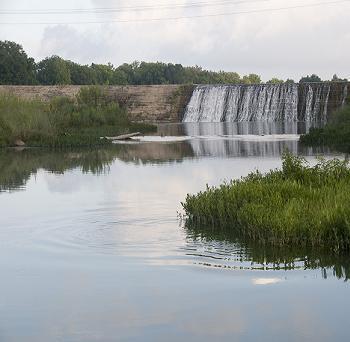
64,121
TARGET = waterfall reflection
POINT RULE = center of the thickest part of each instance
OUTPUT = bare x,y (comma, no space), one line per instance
207,140
248,138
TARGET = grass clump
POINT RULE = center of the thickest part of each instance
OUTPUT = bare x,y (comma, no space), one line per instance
335,134
64,122
298,205
20,119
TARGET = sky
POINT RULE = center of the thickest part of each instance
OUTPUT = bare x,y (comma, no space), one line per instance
286,43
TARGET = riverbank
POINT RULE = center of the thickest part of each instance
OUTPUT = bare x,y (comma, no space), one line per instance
298,205
63,121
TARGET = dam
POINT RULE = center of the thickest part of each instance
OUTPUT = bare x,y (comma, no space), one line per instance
289,102
265,102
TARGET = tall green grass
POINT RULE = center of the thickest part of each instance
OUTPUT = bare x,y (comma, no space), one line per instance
20,118
297,205
64,122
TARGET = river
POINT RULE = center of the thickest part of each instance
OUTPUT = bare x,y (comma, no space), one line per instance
92,247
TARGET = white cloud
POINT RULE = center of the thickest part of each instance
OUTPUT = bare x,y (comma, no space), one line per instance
284,43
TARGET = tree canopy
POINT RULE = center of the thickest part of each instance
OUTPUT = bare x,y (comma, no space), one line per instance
312,78
53,70
275,80
17,68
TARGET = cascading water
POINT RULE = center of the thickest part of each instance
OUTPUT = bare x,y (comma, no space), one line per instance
314,100
265,102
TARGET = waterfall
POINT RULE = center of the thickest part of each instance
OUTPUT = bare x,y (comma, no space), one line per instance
345,95
265,102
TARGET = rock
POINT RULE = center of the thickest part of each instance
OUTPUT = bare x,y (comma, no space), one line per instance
19,143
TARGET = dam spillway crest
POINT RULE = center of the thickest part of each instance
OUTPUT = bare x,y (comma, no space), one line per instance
265,102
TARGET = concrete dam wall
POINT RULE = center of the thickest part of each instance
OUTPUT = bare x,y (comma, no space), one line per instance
153,103
213,103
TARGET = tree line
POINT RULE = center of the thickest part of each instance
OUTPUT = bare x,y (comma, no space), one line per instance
17,68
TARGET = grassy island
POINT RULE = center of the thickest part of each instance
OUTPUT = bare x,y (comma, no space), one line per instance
64,122
299,205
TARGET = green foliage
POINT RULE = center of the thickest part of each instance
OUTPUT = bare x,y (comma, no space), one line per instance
298,205
20,118
15,66
57,71
312,78
64,122
81,74
53,70
335,78
251,79
290,81
335,134
275,80
91,108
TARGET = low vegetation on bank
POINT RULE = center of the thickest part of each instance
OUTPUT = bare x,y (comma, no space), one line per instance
297,205
64,122
335,134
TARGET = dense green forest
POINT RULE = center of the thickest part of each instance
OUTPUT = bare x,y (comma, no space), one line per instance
16,67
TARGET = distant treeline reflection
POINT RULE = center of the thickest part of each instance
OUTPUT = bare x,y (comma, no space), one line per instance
16,166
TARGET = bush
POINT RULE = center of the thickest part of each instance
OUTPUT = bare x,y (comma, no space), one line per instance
80,121
20,118
92,107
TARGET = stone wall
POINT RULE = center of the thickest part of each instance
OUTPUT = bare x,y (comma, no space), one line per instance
154,103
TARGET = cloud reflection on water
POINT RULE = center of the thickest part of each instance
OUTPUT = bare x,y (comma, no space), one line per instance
266,281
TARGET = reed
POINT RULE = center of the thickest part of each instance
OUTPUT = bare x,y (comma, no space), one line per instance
297,205
20,118
64,122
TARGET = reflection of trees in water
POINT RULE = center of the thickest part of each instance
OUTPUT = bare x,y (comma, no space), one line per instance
16,167
154,152
228,246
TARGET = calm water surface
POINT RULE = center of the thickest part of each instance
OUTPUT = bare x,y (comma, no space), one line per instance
91,247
